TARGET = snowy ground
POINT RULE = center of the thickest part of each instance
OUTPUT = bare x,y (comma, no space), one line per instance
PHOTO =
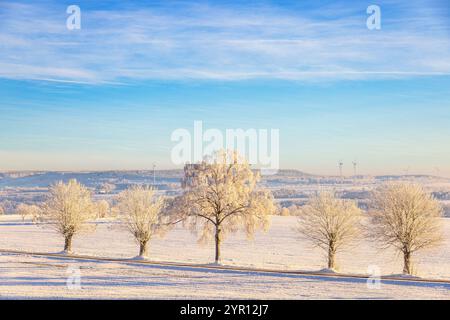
34,277
280,248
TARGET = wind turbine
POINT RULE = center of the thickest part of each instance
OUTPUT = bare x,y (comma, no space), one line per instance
341,164
354,167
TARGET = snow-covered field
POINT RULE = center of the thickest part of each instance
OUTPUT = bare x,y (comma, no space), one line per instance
32,277
279,248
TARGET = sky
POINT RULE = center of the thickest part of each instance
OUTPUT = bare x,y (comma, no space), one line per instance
109,95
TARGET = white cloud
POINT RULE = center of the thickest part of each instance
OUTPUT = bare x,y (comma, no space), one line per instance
210,42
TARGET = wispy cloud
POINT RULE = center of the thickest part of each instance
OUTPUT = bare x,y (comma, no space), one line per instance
173,40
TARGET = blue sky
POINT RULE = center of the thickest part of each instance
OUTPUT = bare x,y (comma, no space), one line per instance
109,95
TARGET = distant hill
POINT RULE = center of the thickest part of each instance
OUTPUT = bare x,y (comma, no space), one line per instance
90,179
42,179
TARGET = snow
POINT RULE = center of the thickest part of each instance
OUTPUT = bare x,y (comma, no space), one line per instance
141,258
279,248
35,277
328,270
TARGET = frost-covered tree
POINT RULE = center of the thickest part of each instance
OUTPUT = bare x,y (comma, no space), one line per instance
294,210
142,214
329,223
107,187
407,218
221,196
284,212
26,210
102,208
67,210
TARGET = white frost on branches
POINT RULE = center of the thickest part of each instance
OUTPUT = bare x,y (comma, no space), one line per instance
141,212
329,223
407,218
102,208
67,210
26,210
221,196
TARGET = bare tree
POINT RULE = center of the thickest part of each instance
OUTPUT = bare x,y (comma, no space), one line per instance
67,210
2,211
141,212
221,196
26,210
329,223
405,217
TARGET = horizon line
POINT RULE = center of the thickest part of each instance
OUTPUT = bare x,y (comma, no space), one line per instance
181,169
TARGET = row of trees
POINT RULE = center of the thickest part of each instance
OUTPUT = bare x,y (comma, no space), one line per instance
221,196
402,216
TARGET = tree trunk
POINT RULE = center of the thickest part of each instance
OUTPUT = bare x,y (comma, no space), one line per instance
217,238
407,263
143,249
331,257
68,244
